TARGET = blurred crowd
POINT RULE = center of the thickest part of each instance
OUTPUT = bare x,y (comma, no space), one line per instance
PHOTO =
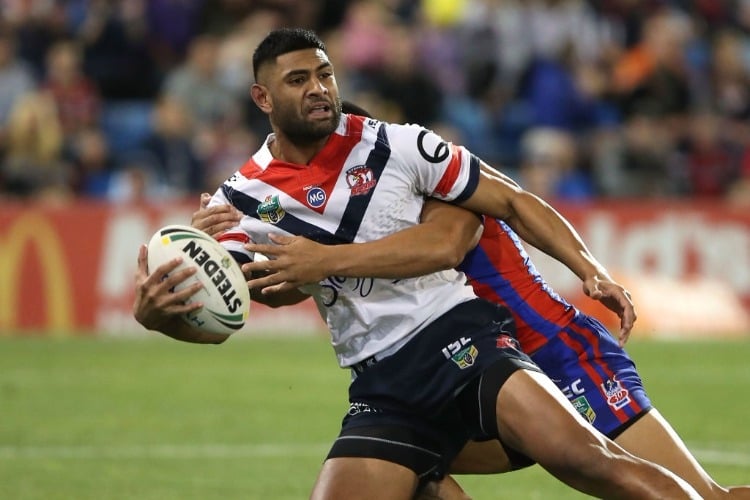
147,100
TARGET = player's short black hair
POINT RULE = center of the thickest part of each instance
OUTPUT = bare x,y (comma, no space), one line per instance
281,41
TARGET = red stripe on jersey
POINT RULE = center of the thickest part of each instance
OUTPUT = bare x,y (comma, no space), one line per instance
322,171
451,172
230,236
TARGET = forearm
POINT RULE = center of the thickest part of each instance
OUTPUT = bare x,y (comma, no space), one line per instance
543,227
392,257
440,242
535,221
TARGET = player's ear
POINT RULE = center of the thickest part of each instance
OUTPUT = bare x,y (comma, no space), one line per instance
261,98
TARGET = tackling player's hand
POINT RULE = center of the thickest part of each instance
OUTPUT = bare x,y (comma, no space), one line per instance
156,306
615,298
215,220
293,261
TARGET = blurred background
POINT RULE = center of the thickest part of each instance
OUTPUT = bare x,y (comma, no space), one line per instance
629,116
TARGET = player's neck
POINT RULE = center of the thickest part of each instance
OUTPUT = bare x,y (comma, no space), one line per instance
284,149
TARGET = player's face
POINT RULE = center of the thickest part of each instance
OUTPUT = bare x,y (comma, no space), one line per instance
305,102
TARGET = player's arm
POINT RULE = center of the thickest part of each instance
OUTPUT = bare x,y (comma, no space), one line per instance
157,307
442,239
539,224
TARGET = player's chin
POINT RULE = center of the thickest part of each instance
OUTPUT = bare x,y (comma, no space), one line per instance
324,127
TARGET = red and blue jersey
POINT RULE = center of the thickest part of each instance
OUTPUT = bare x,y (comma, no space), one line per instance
500,270
575,350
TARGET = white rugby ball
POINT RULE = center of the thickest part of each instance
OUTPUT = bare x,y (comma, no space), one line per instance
225,296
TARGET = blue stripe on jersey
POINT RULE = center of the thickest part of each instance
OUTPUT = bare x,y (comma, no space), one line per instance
475,266
473,181
352,217
289,223
355,209
240,257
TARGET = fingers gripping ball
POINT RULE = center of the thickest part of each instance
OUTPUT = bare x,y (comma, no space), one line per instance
225,296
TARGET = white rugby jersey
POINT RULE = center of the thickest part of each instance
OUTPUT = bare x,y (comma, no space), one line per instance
368,181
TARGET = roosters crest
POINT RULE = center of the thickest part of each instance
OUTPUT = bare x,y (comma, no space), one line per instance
360,179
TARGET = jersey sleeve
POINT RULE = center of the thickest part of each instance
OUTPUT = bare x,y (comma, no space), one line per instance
441,169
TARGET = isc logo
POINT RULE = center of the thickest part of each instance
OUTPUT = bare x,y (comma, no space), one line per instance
316,197
454,347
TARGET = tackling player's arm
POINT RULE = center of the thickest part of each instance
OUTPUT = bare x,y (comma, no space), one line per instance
442,239
537,223
157,307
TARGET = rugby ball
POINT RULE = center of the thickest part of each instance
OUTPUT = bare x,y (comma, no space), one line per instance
225,296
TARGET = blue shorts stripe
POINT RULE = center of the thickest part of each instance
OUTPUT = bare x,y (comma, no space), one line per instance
595,374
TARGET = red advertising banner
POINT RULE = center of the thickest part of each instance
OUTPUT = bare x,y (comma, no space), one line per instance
69,269
687,264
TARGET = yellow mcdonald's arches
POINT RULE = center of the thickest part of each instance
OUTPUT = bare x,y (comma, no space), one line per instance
33,229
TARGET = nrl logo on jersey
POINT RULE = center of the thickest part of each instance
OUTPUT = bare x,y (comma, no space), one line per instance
270,210
361,179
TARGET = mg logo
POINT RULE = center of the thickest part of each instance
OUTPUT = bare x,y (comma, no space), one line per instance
316,197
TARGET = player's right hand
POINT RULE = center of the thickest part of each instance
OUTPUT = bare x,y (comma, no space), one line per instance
294,261
156,305
215,220
617,299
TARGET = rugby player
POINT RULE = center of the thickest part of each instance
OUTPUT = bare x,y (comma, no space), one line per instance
433,365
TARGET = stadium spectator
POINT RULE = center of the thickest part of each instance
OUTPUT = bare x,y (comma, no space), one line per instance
32,167
37,24
711,161
197,85
76,96
401,80
16,79
116,52
235,52
91,164
652,77
169,154
550,166
172,25
637,160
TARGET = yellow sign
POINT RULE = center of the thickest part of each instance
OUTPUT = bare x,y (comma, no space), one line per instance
31,228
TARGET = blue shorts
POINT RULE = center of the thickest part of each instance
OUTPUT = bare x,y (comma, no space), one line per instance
419,406
596,375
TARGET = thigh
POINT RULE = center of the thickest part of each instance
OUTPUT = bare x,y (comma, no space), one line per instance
534,418
596,375
364,479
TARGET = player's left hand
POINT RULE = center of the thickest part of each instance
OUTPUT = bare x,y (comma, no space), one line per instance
615,298
215,220
293,261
